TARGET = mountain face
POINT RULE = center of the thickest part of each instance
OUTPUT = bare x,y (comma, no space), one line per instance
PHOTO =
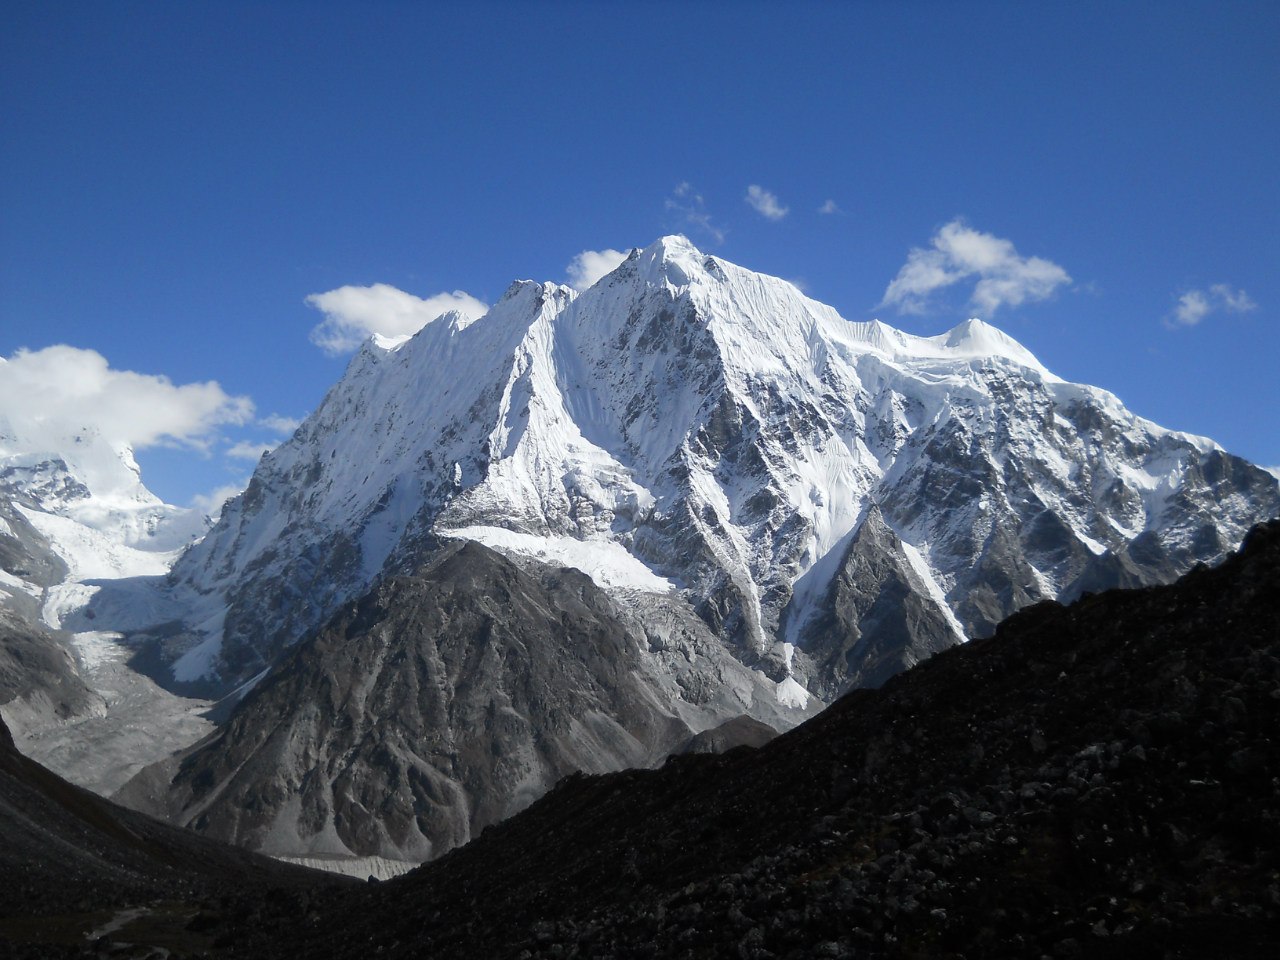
771,505
84,496
692,430
39,678
445,701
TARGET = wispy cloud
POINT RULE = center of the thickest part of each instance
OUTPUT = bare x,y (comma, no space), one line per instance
689,209
829,208
211,504
280,424
960,253
248,450
59,391
352,314
1194,305
765,203
590,265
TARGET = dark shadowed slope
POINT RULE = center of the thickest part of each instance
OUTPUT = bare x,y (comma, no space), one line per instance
69,860
1093,780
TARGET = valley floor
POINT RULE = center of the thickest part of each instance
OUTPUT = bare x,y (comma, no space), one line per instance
142,723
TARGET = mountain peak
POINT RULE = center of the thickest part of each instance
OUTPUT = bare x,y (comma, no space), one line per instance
673,259
977,338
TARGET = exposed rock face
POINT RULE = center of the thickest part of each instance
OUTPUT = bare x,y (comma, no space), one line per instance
39,680
738,732
879,617
1095,780
445,701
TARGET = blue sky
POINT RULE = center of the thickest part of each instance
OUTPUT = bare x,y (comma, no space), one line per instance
177,179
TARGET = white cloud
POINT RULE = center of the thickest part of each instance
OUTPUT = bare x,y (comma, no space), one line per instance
280,424
691,210
352,314
1194,305
211,504
959,252
590,265
1236,301
829,207
248,450
765,203
62,390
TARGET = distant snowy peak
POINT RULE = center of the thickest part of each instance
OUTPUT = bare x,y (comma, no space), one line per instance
98,467
85,495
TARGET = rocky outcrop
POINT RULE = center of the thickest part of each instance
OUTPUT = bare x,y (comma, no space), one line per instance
737,732
445,701
879,617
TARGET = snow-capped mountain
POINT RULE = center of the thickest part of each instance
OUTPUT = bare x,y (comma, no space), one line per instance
85,495
773,504
75,516
690,427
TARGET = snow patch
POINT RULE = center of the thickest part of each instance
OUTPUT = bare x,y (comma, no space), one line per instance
17,583
383,868
936,593
197,663
607,562
792,694
91,554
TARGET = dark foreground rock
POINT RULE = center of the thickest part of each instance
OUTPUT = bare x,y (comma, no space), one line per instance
1097,780
71,863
